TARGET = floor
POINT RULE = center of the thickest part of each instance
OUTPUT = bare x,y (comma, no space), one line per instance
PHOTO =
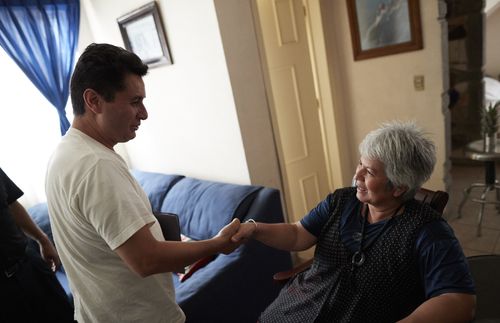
463,175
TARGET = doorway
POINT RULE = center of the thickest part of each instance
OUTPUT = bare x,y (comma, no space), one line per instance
469,61
294,103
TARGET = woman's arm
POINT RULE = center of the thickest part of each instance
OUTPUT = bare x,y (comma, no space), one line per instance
449,307
284,236
443,267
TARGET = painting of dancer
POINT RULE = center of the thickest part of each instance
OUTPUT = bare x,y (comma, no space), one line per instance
383,27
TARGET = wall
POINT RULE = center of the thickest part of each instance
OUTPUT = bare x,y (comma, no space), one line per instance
492,44
374,90
241,47
192,127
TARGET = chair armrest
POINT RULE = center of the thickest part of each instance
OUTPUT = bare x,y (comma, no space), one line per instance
284,276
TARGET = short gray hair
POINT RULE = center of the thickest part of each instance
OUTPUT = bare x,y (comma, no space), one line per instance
406,152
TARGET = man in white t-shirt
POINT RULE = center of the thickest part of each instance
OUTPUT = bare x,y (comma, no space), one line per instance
110,244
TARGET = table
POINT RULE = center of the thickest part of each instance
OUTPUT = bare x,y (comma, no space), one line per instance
475,151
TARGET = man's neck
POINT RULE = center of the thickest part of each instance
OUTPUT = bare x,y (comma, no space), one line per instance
91,130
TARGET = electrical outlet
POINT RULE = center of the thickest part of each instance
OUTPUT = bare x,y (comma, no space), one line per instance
419,82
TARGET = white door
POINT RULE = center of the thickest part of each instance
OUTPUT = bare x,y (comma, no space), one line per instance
296,115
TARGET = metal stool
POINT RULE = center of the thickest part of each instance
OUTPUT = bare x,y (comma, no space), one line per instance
475,151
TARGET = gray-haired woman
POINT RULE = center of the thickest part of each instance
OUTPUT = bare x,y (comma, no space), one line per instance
381,256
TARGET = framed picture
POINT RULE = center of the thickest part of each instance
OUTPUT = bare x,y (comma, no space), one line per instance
143,34
384,27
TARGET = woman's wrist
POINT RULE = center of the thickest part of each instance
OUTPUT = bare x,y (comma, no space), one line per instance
254,223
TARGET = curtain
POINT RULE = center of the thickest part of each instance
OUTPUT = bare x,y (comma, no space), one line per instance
41,37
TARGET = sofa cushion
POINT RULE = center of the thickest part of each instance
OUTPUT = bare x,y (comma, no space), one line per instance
40,215
204,207
155,185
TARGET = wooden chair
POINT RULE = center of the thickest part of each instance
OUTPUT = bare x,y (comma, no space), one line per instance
436,199
485,269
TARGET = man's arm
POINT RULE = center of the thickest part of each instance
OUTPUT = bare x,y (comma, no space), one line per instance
449,307
24,221
146,256
283,236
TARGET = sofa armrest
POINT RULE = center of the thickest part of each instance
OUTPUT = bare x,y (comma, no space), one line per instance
266,207
242,282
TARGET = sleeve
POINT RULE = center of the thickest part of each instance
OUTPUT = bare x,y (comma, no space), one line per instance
112,204
317,217
13,193
442,263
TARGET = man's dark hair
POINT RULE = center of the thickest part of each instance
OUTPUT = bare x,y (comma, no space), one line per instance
103,68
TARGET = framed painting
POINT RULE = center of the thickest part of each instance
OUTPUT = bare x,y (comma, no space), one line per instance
143,34
384,27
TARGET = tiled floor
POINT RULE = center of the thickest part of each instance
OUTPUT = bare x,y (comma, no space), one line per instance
465,227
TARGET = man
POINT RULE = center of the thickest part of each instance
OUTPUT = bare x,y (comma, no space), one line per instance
29,290
110,244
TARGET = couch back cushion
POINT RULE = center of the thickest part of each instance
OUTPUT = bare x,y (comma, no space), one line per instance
40,215
156,185
204,207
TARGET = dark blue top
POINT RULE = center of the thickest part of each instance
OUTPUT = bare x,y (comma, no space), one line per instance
12,240
442,265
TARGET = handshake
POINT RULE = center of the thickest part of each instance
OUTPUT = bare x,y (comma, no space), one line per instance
235,234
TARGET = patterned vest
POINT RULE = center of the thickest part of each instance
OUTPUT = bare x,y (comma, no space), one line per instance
386,288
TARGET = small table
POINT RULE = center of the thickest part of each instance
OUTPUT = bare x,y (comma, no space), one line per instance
475,151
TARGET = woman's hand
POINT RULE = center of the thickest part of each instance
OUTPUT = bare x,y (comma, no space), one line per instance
245,232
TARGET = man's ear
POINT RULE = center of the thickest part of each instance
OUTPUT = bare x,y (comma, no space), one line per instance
92,100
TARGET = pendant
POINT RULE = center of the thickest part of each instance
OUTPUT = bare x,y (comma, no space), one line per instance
356,236
358,258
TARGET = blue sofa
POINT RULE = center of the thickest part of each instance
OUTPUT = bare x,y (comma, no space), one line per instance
230,288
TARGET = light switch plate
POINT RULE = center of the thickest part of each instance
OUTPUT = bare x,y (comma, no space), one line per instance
419,82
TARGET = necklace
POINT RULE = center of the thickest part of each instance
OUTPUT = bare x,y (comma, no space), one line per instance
358,258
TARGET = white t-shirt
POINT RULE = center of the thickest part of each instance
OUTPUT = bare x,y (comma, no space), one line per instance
95,205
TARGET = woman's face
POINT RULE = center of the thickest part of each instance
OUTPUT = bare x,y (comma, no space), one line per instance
372,184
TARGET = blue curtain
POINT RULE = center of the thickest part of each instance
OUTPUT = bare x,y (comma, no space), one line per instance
41,36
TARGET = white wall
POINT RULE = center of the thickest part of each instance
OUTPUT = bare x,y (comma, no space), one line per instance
375,90
192,127
492,44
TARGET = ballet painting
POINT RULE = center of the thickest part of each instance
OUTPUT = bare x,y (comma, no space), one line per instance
384,27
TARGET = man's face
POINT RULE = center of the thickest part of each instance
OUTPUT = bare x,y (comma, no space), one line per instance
120,119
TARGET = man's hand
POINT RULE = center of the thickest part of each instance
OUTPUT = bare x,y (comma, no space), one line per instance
225,235
244,233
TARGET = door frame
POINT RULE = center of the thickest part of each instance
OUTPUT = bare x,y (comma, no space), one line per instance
242,43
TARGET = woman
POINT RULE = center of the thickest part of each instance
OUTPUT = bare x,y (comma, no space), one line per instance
381,256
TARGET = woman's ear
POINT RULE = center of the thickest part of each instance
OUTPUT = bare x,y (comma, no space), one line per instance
92,100
399,191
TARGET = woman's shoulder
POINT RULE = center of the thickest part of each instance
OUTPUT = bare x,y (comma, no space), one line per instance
421,209
341,195
344,192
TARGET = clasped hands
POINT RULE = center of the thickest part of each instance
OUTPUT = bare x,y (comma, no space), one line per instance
234,234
